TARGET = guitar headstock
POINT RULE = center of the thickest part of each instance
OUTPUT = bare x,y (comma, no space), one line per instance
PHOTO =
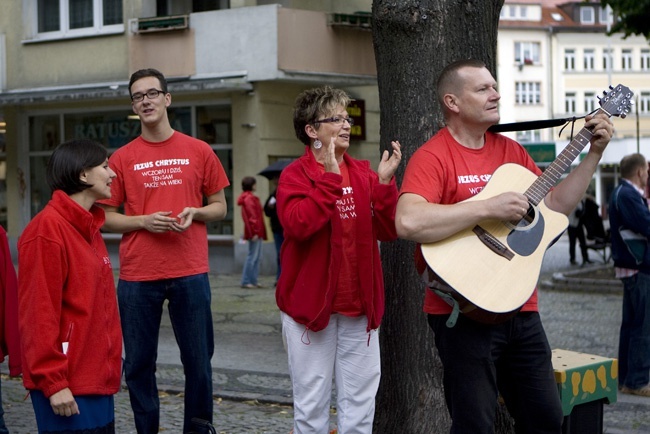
617,101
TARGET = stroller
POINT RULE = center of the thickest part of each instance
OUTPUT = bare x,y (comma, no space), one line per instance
204,424
598,239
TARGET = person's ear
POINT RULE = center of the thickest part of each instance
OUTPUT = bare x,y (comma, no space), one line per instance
311,131
449,101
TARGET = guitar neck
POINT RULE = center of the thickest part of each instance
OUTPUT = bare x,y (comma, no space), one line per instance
547,180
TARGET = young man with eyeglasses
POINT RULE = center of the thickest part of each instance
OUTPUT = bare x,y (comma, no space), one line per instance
162,179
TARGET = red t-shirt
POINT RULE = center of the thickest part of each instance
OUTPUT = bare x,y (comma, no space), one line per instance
445,172
347,300
164,176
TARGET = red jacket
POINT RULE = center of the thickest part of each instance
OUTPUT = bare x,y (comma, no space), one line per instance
252,214
9,336
66,293
312,248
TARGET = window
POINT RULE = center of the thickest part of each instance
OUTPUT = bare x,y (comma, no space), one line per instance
590,102
56,19
626,60
529,136
645,59
607,59
587,15
589,58
605,15
569,59
527,92
182,7
3,173
527,53
514,12
570,102
644,103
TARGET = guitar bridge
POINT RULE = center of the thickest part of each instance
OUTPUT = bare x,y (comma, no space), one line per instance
493,243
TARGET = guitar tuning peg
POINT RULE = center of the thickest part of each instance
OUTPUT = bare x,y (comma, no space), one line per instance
611,87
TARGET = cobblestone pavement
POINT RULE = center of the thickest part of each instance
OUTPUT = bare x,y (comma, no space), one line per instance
251,382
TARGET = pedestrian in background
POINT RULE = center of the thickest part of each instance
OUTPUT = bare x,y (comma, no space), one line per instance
628,211
69,323
576,232
254,231
9,336
334,209
164,251
271,211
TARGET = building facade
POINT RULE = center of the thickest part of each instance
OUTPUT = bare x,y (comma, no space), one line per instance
555,58
234,70
235,67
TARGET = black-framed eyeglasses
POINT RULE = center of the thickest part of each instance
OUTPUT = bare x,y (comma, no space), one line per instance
151,94
336,120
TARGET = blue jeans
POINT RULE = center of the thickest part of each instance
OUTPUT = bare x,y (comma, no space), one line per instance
252,265
3,427
634,338
141,306
480,361
278,239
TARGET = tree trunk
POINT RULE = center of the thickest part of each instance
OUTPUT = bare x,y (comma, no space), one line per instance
414,40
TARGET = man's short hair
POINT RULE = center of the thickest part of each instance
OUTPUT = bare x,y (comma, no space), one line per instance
69,160
448,79
631,163
149,72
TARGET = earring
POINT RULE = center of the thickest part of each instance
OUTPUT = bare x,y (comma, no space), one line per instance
318,144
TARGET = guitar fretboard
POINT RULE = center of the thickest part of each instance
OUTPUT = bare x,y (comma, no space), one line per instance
540,188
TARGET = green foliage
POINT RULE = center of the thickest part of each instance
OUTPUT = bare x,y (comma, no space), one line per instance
632,16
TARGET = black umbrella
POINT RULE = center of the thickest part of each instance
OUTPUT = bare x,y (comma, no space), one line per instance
273,170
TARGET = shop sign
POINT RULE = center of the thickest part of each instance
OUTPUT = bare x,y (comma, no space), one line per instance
357,111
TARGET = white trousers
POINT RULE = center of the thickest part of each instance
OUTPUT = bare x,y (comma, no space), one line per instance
344,351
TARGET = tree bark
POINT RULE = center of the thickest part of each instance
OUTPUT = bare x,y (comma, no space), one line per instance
414,40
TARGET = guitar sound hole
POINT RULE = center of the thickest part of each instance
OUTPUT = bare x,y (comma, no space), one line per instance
528,218
527,221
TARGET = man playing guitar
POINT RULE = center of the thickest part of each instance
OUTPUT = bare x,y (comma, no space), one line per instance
481,360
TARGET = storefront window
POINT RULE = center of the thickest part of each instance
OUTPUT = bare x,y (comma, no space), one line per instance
213,127
45,134
111,129
3,174
114,129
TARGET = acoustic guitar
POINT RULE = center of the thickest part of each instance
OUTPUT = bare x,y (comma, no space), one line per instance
492,268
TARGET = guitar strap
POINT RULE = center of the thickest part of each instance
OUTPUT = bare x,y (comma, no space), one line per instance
443,291
532,125
528,125
455,308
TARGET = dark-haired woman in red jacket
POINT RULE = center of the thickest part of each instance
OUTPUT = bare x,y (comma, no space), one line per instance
69,323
